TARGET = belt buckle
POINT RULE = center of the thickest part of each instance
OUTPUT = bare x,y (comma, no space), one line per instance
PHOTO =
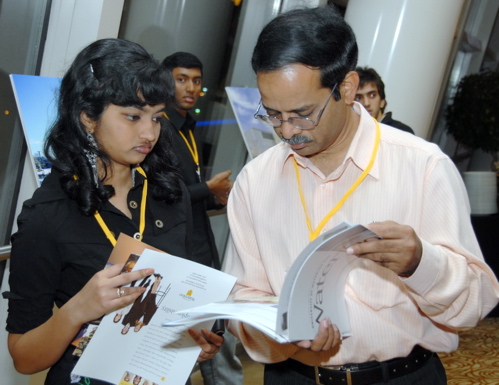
347,370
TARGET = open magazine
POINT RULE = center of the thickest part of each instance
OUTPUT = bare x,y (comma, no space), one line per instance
130,343
313,290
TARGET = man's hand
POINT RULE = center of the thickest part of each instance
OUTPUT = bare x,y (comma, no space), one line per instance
400,249
220,186
327,337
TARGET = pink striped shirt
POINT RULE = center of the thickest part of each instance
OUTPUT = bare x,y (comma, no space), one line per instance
412,182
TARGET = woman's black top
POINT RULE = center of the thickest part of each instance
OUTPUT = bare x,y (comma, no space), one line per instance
57,249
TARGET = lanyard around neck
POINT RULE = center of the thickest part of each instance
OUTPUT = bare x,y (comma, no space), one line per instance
193,149
142,218
315,233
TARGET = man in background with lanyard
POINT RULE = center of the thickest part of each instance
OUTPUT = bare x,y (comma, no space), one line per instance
187,72
409,292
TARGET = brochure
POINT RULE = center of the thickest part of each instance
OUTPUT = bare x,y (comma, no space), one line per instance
130,343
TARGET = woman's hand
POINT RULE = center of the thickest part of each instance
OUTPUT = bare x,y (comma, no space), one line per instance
208,341
41,347
104,293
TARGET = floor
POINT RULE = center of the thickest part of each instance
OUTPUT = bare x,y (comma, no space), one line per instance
476,362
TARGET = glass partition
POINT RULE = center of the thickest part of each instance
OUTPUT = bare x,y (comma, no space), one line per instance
23,25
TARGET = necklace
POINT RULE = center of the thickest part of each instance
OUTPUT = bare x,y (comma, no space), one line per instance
142,218
315,233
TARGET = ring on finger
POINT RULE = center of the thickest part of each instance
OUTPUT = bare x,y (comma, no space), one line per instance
120,292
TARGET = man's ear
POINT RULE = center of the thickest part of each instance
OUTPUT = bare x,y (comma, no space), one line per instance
87,122
349,87
382,104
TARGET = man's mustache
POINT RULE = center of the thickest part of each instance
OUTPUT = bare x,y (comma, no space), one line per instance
296,139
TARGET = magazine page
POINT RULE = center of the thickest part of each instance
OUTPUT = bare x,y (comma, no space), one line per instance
260,313
313,290
131,342
320,294
265,316
314,285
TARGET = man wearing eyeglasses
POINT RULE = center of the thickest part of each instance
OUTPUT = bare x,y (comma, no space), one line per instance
409,292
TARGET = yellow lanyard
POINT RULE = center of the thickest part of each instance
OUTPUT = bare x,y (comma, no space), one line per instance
142,223
193,149
315,233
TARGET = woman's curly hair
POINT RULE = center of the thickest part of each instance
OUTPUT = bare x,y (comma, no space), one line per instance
119,72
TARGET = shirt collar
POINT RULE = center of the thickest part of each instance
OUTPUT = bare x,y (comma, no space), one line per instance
178,121
362,146
138,178
359,151
138,181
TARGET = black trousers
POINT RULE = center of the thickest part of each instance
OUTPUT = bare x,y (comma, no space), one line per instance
433,373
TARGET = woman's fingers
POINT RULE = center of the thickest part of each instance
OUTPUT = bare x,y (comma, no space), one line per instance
208,341
104,292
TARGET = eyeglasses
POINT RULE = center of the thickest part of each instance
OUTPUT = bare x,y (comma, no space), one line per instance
301,122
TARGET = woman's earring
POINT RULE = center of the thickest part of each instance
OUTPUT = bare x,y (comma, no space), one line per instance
92,157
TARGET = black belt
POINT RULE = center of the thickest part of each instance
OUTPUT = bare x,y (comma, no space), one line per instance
361,374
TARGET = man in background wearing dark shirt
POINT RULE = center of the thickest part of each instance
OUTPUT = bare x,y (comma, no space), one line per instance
371,94
187,72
